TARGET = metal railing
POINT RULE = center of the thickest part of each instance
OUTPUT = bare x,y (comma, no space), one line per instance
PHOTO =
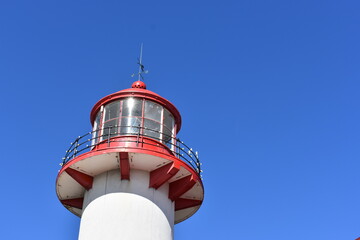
111,134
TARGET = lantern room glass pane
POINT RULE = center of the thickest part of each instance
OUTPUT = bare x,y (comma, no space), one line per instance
112,110
168,125
97,119
153,111
130,125
152,129
110,127
96,129
132,107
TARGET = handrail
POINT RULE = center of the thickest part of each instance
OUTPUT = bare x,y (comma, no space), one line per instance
91,139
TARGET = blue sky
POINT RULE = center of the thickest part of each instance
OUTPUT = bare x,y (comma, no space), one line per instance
268,92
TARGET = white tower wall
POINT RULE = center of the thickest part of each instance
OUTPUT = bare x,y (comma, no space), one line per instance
126,210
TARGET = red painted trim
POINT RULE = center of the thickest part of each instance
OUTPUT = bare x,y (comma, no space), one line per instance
130,149
124,166
181,186
83,179
75,202
162,174
182,203
140,93
166,156
133,141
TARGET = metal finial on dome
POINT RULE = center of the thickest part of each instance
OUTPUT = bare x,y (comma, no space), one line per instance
138,84
141,68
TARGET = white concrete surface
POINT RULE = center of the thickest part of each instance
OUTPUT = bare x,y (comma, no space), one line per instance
126,210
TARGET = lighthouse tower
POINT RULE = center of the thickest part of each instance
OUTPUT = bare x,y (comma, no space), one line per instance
131,177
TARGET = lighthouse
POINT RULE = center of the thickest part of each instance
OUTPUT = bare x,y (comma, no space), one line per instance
131,177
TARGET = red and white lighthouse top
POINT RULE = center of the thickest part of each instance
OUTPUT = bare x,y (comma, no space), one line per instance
133,129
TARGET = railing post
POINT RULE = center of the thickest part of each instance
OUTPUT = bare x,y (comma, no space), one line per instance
108,140
75,149
138,136
177,150
198,164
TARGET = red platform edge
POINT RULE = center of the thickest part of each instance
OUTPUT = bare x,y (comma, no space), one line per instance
158,176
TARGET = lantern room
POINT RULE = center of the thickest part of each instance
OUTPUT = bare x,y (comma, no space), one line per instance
135,111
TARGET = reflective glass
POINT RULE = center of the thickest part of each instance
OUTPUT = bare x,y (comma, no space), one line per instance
152,129
96,128
168,125
132,107
112,110
97,119
167,134
130,125
153,111
110,127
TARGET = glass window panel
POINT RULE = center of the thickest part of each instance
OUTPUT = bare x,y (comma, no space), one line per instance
130,125
152,111
110,127
167,134
96,128
132,107
112,110
152,129
168,122
97,119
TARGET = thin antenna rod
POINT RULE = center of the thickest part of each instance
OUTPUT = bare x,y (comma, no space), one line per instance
141,67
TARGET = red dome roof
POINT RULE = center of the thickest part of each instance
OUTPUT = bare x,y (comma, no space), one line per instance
139,84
